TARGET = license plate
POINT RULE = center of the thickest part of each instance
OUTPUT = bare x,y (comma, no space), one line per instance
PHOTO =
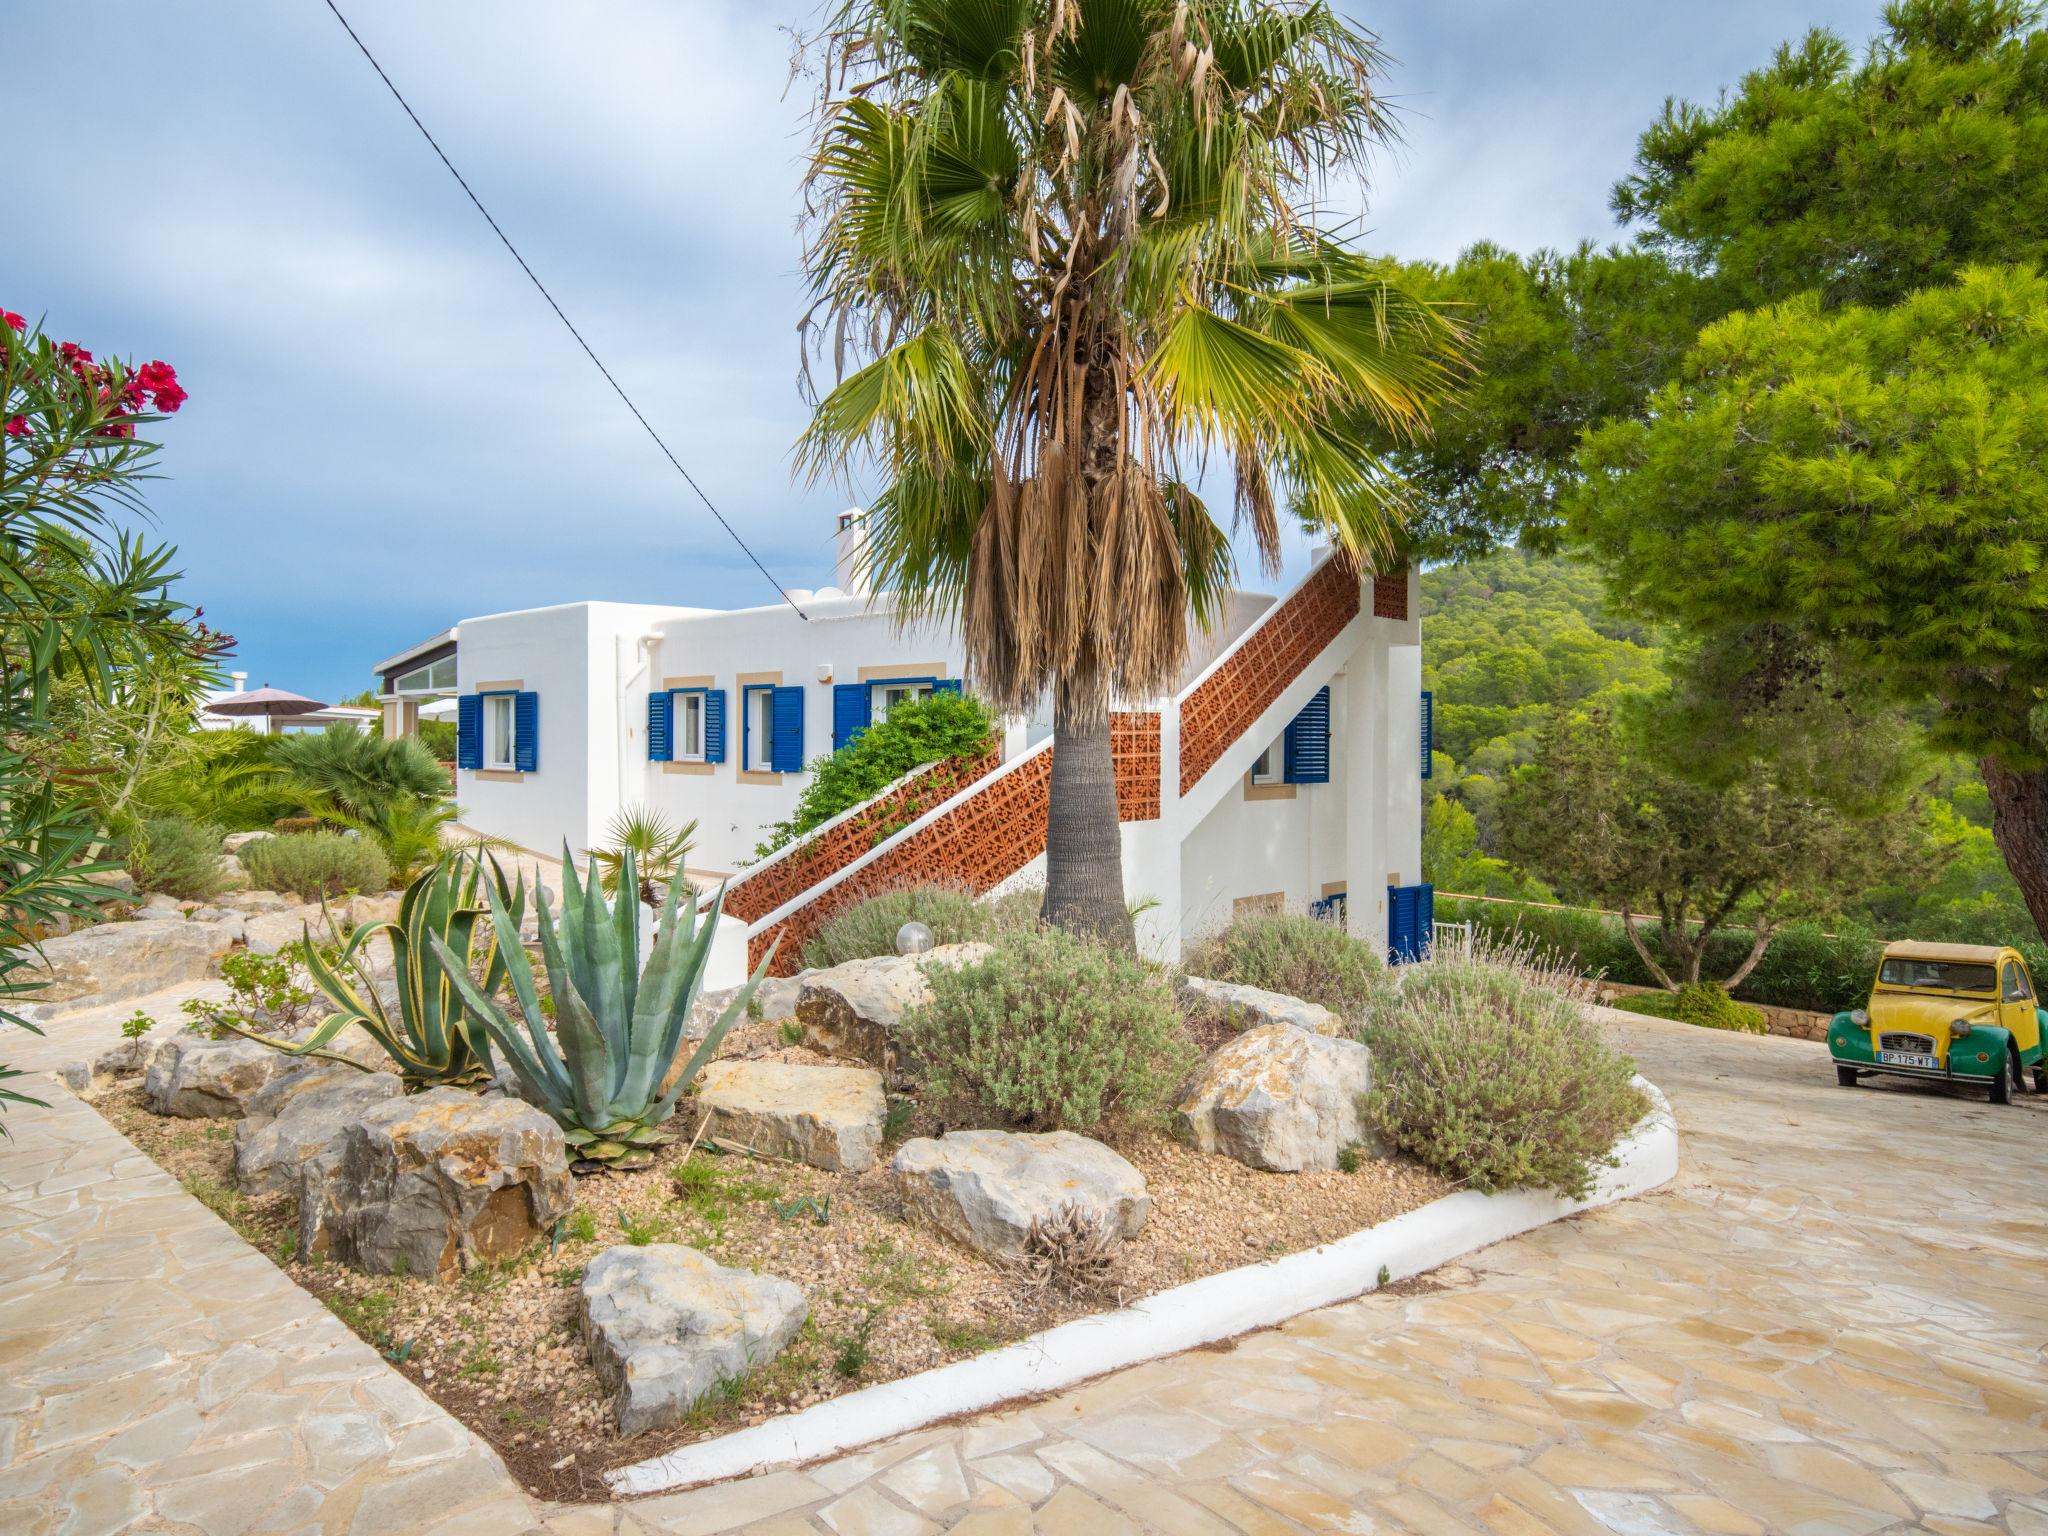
1909,1059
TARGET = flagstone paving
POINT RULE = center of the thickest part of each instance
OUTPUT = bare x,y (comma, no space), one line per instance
1832,1322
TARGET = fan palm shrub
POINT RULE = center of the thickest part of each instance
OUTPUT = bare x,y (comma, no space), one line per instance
604,1074
343,773
1064,254
443,928
656,845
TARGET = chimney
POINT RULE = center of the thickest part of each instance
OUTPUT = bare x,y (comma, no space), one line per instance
239,679
848,572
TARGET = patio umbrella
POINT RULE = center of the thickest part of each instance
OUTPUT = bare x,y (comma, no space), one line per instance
264,701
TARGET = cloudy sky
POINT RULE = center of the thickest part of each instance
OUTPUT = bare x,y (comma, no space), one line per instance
388,430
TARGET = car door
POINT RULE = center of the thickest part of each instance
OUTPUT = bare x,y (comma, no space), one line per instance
2016,1005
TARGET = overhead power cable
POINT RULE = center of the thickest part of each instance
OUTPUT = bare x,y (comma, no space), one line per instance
588,352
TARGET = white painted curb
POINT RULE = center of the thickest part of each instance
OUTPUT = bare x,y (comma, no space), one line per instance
1202,1312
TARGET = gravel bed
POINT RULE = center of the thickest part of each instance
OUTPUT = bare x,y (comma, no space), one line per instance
500,1348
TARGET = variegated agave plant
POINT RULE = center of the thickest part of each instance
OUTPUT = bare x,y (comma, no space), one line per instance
603,1073
430,1036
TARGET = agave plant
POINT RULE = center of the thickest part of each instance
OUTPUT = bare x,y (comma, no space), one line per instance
440,930
604,1075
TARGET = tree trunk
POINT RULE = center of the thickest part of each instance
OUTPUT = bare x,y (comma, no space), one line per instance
1084,858
1764,932
1635,937
2019,825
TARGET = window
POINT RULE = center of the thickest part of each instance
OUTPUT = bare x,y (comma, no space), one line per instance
907,691
1266,770
500,731
436,677
760,730
1937,975
689,728
2016,988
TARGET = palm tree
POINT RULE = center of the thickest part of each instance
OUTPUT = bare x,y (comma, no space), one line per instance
1068,250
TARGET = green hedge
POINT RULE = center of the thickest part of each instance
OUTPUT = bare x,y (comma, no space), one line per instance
1805,967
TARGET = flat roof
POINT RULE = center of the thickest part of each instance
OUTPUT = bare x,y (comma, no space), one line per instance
446,637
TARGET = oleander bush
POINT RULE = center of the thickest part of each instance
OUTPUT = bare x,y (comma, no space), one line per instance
310,865
1296,954
1491,1075
1703,1004
952,912
1051,1032
175,856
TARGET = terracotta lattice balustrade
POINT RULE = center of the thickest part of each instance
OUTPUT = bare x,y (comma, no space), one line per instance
1273,653
979,842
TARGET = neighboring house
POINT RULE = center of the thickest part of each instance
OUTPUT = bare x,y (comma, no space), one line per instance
276,725
416,680
1284,773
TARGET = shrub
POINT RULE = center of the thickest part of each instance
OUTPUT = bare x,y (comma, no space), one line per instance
1492,1078
1053,1031
178,857
311,865
952,912
946,727
1703,1004
1301,956
343,773
438,737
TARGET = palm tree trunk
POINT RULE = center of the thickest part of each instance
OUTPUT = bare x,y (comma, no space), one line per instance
1084,860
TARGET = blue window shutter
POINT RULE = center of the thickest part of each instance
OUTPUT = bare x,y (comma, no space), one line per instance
661,727
852,711
1428,731
946,685
714,725
469,731
1411,922
786,751
526,731
1306,755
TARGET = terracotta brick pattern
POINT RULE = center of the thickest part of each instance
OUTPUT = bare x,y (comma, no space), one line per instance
1390,596
1272,655
753,896
982,840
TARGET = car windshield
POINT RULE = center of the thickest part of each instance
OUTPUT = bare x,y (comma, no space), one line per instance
1938,976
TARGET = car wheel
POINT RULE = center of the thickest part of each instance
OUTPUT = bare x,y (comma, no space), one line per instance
2001,1085
2041,1078
1845,1076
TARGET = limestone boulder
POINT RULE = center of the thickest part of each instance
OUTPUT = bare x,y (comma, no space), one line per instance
270,933
774,1000
434,1184
1254,1007
235,842
855,1010
234,876
666,1324
134,1056
829,1117
985,1188
118,882
161,908
1279,1098
247,902
381,908
113,961
194,1078
227,919
297,1118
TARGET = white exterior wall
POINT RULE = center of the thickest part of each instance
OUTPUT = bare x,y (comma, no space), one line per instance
593,665
1361,831
568,656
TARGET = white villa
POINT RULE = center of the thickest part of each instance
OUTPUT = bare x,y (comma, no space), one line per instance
1284,772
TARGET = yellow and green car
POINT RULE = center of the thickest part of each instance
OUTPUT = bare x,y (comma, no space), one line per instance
1946,1013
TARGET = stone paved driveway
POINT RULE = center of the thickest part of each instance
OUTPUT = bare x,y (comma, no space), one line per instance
1833,1322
